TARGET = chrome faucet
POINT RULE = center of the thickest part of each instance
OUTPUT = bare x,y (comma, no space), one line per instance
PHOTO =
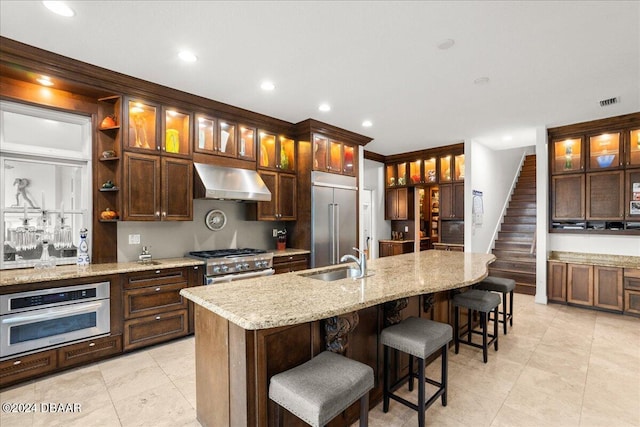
362,262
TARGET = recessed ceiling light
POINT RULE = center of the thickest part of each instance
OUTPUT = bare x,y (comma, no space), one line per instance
367,123
324,107
187,56
267,85
446,44
45,81
59,8
481,81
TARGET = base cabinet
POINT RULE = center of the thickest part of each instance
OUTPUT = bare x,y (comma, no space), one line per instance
557,281
395,248
154,329
22,368
290,263
632,291
580,284
607,288
89,351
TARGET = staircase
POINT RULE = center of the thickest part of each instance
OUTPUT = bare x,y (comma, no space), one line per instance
515,246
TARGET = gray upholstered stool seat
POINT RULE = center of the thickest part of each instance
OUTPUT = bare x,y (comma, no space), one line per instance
504,286
483,302
419,338
321,388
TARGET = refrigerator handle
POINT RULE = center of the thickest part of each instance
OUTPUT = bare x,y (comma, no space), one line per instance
332,255
336,229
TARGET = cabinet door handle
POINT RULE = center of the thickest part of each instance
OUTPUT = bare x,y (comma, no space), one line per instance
195,268
157,214
17,362
157,271
157,317
157,289
92,344
164,214
158,147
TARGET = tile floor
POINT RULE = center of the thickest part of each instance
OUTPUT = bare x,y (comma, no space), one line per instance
558,366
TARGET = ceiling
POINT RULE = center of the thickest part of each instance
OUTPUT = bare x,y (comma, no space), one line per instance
548,63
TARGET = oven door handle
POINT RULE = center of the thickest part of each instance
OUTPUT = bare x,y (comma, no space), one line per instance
52,311
234,277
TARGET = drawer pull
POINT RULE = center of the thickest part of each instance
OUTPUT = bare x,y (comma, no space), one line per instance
17,362
92,344
157,317
157,289
157,271
195,268
290,258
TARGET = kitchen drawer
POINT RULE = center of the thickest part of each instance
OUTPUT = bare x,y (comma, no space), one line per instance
156,277
632,301
89,351
289,263
153,299
20,368
154,329
632,283
632,272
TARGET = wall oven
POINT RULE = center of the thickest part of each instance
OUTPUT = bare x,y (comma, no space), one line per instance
35,320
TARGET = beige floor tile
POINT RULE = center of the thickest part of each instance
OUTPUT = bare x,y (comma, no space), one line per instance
187,386
160,406
133,383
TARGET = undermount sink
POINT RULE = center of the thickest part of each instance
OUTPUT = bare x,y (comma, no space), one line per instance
149,262
334,274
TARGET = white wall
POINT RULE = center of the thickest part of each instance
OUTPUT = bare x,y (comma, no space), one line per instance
605,244
492,172
175,238
373,179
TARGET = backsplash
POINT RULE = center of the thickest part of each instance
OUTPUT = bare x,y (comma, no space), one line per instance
171,239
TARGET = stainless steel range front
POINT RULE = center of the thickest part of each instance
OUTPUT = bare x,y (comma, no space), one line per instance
226,265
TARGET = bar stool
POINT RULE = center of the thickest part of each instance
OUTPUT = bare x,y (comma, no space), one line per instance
483,302
503,286
418,338
321,388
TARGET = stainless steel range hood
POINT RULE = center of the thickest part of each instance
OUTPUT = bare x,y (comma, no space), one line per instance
217,182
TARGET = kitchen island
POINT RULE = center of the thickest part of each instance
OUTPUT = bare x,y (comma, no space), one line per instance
248,331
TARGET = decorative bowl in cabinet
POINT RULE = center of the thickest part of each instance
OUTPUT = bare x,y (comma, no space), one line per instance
605,160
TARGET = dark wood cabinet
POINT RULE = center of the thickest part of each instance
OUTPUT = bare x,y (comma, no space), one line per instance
557,281
290,263
452,201
399,203
567,197
21,368
580,284
89,351
390,248
276,152
333,156
282,207
632,291
607,287
157,188
632,195
605,195
154,310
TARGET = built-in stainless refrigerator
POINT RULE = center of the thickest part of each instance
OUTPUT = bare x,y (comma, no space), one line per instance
333,217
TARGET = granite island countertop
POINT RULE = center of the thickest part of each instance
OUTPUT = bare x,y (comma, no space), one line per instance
292,298
62,272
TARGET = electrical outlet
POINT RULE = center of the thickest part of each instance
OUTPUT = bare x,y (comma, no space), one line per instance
406,228
275,232
134,239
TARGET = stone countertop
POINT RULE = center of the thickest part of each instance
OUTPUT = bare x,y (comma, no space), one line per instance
61,272
606,260
291,298
402,241
290,251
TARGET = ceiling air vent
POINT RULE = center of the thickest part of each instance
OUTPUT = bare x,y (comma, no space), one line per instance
609,101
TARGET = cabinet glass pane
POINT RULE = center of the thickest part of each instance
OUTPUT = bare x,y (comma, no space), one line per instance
227,138
335,156
177,132
634,147
445,168
430,170
391,175
142,126
287,154
320,152
414,172
205,139
402,174
247,147
348,151
267,150
604,151
567,155
459,167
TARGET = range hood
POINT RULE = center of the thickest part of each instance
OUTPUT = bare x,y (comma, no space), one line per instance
218,182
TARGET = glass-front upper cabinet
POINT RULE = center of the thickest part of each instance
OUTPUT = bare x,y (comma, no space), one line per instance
445,169
335,156
430,170
226,138
567,155
320,144
633,151
458,167
604,151
142,121
277,152
396,174
415,172
176,129
247,147
205,134
348,165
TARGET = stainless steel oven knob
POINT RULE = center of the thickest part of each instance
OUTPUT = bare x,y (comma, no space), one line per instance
224,268
239,267
245,266
216,269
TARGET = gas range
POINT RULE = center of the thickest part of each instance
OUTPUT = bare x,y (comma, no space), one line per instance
226,265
